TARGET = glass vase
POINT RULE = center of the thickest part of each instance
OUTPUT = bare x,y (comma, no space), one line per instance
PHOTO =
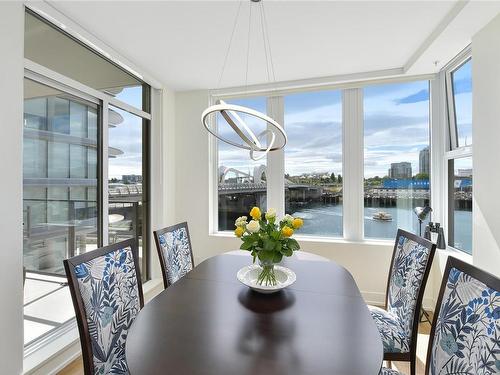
267,276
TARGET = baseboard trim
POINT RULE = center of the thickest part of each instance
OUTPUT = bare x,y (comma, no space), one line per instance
378,299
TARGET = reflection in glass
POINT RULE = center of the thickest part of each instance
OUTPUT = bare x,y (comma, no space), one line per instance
397,157
127,211
241,181
462,97
460,204
60,204
313,161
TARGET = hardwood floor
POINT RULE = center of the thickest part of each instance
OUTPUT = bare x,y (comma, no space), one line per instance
76,367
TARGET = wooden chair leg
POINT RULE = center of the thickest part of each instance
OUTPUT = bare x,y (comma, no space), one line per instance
413,366
389,364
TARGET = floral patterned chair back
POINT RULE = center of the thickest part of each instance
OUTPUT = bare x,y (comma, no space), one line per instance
465,337
175,252
411,262
106,289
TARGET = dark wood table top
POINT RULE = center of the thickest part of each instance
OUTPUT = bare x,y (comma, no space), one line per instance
208,323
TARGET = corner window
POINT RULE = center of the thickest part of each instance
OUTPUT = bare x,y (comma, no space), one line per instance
313,161
460,172
397,157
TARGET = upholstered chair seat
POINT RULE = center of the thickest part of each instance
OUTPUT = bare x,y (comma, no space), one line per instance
174,250
398,322
394,337
389,371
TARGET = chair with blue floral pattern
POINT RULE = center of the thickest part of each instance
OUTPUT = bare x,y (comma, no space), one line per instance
106,289
175,252
465,333
398,322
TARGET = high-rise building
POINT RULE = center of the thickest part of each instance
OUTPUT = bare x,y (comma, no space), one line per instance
424,161
400,170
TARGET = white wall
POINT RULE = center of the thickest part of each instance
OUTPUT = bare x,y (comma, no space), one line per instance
11,125
367,262
486,138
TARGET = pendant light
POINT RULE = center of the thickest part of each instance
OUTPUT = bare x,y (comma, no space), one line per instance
231,113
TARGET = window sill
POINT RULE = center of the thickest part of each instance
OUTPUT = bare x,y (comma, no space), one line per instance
332,240
65,347
459,254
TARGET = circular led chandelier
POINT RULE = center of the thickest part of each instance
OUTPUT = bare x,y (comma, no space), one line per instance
231,113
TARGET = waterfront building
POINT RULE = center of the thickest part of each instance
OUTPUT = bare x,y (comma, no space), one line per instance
400,170
424,161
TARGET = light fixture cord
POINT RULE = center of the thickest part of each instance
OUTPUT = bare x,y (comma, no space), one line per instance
248,44
267,45
268,42
230,44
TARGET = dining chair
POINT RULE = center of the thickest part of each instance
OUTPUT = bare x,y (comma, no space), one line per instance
175,252
398,322
106,290
465,333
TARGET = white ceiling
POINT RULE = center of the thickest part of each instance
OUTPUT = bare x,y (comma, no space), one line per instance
183,43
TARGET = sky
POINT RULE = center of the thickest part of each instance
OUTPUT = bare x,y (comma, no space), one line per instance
127,137
396,127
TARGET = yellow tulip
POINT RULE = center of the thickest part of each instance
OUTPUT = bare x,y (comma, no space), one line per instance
297,223
287,231
239,231
255,213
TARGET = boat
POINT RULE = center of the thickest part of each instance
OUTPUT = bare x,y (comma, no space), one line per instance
382,216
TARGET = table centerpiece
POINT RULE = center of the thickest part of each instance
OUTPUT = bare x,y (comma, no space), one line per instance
268,240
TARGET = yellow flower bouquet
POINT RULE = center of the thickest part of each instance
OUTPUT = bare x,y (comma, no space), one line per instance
267,240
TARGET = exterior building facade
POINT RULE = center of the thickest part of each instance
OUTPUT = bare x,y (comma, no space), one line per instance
424,161
400,170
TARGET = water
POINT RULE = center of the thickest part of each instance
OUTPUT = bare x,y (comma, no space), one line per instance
326,220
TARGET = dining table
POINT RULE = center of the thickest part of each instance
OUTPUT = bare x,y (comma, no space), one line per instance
209,323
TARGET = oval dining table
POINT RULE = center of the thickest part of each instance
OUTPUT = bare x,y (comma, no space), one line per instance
209,323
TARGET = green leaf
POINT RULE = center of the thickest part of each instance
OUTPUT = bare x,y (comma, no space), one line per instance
287,252
266,255
246,246
293,244
278,247
269,244
275,235
277,257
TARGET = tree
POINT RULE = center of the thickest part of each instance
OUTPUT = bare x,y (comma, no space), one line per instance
339,178
332,177
422,176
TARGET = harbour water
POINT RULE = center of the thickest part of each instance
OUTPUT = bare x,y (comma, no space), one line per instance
326,220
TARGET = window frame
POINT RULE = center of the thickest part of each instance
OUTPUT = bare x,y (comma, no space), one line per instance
352,162
453,151
461,59
45,76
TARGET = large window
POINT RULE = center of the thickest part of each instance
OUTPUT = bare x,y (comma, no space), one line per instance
313,161
460,204
396,160
459,94
241,181
65,211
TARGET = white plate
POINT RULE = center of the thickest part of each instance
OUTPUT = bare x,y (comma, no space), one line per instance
248,275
